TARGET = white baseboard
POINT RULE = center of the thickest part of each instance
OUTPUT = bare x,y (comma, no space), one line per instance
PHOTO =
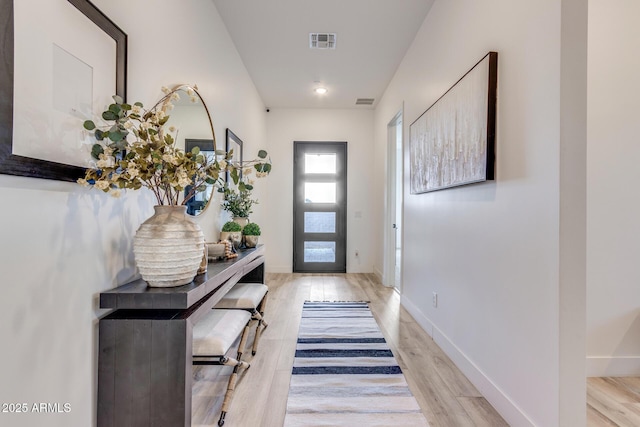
494,395
612,366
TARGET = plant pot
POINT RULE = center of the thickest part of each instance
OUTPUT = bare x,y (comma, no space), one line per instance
234,236
251,241
240,220
168,247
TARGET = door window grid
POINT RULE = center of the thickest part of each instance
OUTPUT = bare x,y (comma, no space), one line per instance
319,222
319,251
320,163
319,192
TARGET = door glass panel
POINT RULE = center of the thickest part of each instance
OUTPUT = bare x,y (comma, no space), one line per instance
319,192
320,163
319,222
319,251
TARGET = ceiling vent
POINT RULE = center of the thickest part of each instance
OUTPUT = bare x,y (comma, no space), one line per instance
322,40
365,101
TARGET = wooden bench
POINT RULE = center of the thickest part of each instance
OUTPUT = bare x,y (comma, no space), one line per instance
251,297
213,337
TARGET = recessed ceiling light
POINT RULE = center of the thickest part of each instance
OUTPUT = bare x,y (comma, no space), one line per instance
320,90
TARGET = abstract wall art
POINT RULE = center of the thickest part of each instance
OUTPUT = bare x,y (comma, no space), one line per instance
453,142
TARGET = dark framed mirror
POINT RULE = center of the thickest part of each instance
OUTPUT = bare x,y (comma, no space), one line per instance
234,143
11,163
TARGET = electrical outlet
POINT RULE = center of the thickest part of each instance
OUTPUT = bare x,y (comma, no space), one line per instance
435,300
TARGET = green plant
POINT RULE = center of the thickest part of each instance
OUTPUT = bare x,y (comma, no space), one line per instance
238,203
134,150
231,227
251,229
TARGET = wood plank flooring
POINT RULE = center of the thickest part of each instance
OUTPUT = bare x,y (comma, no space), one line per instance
445,395
613,401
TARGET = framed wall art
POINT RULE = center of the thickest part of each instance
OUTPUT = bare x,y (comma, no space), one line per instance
453,142
63,61
234,143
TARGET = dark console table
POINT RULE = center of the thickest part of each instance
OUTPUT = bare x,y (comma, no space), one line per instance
144,359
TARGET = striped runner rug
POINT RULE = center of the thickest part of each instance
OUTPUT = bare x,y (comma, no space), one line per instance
344,374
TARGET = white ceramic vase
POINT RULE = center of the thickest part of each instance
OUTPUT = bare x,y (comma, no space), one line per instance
168,247
241,220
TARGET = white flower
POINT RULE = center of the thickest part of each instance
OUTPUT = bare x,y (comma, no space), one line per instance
145,125
174,96
101,185
105,161
165,90
223,164
261,174
108,151
191,92
194,99
172,128
82,182
128,125
167,106
247,171
115,193
136,109
133,172
183,179
169,158
160,115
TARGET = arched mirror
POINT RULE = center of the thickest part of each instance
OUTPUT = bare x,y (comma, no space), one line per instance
190,116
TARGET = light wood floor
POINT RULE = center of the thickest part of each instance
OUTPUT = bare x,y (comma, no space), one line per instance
446,397
613,402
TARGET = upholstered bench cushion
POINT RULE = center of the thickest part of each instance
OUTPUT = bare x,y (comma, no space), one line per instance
243,296
216,332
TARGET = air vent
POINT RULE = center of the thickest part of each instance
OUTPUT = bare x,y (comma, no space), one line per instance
365,101
322,40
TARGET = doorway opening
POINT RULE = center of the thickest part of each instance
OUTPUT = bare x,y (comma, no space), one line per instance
393,216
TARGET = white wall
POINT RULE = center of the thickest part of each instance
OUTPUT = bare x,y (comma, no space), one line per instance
491,250
613,295
354,126
62,245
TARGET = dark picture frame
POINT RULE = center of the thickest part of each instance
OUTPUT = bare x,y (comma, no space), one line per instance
11,164
452,143
235,143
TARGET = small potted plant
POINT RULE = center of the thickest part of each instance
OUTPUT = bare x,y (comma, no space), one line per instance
239,203
232,231
251,233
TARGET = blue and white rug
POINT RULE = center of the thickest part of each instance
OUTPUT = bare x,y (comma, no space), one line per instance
344,374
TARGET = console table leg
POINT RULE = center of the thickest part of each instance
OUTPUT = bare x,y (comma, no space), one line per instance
144,373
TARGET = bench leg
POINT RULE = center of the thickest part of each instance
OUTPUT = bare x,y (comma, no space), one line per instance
262,324
233,379
228,397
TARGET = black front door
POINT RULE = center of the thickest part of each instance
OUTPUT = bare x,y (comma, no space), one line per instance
320,207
